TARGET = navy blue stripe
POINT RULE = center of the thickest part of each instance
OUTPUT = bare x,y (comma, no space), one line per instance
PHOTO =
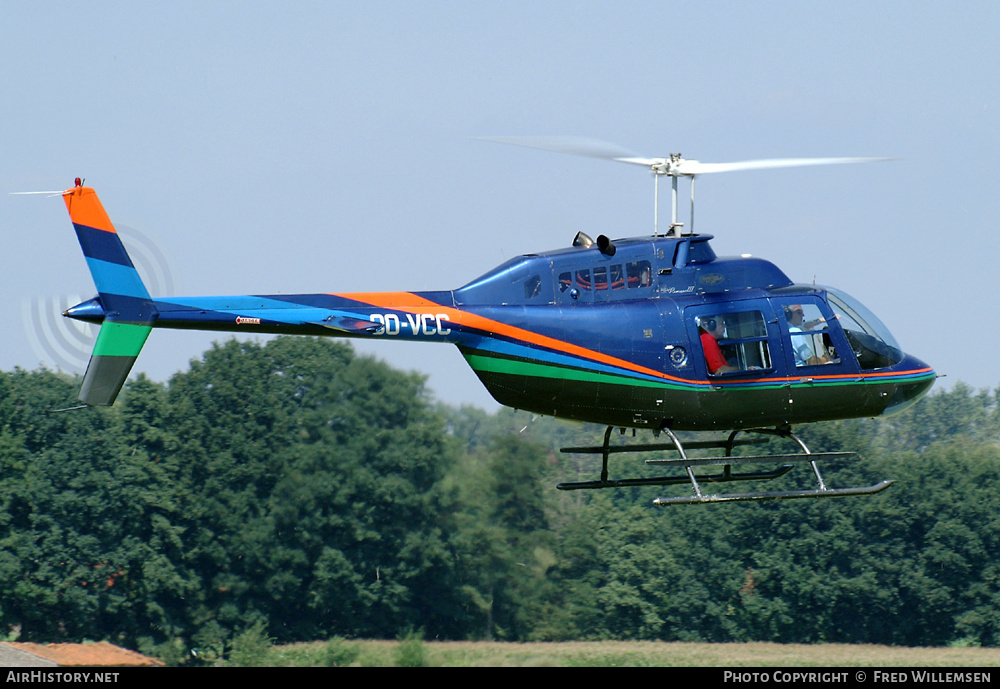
128,309
104,246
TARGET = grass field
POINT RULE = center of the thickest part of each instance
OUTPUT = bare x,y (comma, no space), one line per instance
621,654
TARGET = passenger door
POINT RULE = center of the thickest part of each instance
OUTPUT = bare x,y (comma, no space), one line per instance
752,387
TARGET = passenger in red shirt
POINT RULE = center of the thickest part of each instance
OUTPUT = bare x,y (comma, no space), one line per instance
711,329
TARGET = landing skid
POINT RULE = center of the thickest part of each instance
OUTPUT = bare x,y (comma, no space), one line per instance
787,462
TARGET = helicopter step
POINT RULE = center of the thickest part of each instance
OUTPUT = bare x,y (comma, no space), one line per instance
727,475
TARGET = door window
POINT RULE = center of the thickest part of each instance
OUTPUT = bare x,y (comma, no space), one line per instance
734,342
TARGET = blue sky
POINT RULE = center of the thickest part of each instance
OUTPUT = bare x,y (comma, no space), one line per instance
330,146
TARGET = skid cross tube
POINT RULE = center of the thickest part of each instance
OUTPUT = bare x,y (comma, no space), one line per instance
727,462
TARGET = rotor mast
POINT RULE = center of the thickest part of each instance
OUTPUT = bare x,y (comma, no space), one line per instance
670,166
660,169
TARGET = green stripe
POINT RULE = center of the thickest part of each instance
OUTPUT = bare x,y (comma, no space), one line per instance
489,364
120,339
486,364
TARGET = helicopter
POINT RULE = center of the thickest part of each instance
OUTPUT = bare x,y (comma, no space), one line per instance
652,333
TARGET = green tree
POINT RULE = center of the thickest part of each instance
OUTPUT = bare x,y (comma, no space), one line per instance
317,489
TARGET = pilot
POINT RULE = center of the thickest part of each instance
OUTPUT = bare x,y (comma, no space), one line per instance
795,314
711,329
804,353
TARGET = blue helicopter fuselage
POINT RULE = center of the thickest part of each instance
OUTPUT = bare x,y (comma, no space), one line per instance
655,332
614,337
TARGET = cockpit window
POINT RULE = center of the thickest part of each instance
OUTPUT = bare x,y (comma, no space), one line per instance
873,344
810,335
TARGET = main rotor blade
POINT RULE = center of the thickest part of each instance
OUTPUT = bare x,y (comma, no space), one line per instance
573,145
693,167
676,167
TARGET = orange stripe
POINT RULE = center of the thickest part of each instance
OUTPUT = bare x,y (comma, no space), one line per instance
407,301
85,209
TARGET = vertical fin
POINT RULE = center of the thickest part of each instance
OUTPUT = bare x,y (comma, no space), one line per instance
129,311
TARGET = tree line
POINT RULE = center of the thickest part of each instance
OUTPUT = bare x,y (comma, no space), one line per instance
300,489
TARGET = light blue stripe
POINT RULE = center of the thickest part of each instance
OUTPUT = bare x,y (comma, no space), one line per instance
236,302
112,278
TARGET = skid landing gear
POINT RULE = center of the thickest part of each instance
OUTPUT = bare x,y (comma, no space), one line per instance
727,462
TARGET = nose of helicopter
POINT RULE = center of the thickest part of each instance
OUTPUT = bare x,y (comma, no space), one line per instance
915,380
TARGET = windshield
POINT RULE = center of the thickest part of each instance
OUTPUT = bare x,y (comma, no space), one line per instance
871,341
